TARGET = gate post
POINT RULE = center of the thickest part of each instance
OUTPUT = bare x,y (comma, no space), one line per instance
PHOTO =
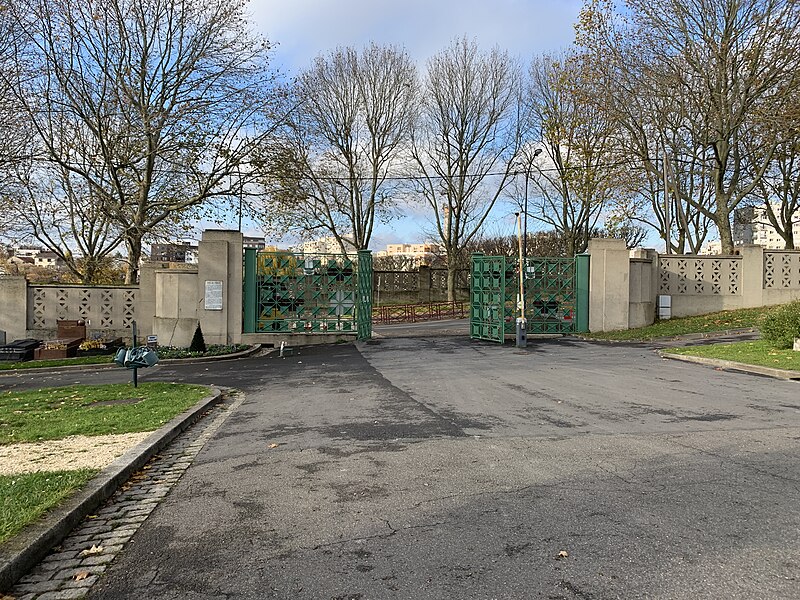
364,295
249,304
609,305
219,271
582,265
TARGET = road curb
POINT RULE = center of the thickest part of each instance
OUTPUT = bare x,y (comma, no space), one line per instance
167,361
707,335
20,554
734,366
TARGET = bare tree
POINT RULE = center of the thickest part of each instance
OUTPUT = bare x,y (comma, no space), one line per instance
172,93
466,138
540,243
778,191
66,214
714,67
13,132
328,171
579,175
665,168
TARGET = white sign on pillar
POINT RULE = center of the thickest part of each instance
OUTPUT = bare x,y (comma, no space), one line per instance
213,297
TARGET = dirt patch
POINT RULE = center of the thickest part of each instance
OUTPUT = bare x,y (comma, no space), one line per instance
74,452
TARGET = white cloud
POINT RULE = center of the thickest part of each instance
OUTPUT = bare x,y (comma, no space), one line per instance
306,28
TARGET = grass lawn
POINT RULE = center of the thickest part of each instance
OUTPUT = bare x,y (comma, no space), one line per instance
24,498
55,413
751,353
729,319
56,362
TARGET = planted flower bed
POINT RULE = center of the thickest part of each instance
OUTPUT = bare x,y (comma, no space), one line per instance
214,350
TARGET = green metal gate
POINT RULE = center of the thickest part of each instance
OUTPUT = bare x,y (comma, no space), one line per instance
487,298
556,296
287,292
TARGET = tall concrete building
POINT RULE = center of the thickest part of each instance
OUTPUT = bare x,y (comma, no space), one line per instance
751,226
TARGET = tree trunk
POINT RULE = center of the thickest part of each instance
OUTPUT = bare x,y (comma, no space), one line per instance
134,248
723,221
90,268
452,270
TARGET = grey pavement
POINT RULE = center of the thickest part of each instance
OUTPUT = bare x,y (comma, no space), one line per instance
433,466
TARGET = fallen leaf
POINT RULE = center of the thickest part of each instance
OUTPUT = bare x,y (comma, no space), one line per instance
92,551
81,575
273,445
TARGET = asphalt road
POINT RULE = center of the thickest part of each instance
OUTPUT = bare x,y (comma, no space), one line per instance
437,467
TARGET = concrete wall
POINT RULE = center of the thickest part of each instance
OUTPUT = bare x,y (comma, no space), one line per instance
781,276
175,317
609,285
179,297
170,303
703,284
625,284
756,277
642,288
13,307
108,311
220,260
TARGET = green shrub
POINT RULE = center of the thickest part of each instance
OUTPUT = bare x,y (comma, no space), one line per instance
198,343
782,325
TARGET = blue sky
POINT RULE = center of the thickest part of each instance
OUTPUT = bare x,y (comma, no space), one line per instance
304,29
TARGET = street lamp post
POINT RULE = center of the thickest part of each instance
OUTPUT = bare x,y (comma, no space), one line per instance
528,166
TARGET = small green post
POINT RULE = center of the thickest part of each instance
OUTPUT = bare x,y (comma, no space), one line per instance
582,263
249,292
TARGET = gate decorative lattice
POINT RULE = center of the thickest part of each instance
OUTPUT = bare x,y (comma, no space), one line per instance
556,296
488,298
550,295
287,292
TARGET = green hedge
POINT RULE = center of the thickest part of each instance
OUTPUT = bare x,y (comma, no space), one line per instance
782,325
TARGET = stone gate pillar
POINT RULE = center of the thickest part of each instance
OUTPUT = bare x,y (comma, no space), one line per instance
220,271
609,286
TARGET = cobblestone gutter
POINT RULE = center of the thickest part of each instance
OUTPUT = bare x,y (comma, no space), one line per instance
70,569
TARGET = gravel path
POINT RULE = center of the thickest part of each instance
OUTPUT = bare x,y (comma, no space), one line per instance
71,453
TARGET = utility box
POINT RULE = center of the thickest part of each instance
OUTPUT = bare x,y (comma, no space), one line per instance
664,307
522,333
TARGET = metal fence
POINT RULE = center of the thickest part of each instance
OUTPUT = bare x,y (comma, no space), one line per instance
411,313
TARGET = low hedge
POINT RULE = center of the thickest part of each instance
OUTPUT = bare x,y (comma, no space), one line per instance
781,326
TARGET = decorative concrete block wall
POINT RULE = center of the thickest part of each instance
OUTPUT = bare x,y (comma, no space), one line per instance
702,284
781,276
107,311
33,310
625,284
